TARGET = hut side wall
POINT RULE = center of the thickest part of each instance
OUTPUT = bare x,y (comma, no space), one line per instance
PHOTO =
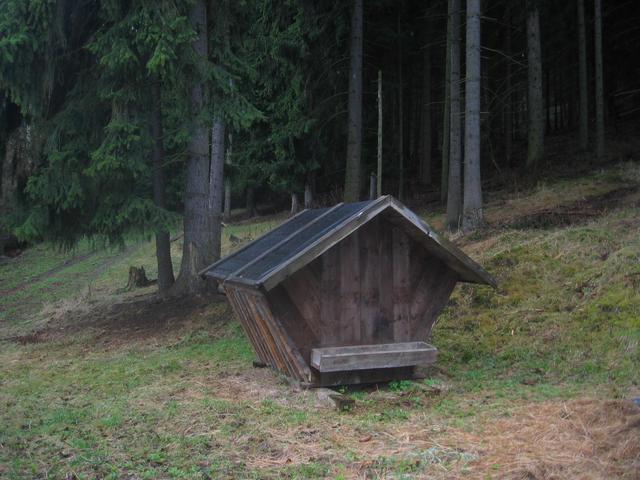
376,286
269,339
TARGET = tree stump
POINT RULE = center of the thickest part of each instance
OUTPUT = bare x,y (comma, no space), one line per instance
137,278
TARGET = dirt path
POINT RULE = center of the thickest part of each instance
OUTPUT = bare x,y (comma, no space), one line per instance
579,211
129,320
41,276
72,262
568,213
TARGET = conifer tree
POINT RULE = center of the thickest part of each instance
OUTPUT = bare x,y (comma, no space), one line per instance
597,5
534,82
582,73
454,190
354,143
472,205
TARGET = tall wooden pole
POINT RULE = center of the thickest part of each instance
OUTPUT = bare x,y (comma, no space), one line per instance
400,109
379,176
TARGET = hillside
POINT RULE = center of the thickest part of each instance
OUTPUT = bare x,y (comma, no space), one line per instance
533,380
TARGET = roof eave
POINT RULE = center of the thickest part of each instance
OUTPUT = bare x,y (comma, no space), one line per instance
476,274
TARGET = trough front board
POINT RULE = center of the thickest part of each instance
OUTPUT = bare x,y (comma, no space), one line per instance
365,357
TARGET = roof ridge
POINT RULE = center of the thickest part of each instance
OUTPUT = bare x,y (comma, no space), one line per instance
327,227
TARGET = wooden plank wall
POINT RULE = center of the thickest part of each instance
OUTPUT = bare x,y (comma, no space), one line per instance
376,286
269,339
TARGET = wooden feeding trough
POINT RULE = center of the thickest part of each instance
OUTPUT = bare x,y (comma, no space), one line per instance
346,294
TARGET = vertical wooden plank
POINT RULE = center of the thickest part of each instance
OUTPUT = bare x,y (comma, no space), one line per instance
369,281
349,326
304,291
293,321
267,334
430,298
286,365
401,286
383,330
288,349
419,259
264,335
330,297
247,325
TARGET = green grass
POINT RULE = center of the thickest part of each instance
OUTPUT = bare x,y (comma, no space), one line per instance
566,309
564,323
44,276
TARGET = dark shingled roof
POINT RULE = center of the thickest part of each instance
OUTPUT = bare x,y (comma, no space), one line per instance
304,233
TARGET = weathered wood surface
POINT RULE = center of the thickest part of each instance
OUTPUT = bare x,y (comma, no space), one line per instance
401,284
324,243
271,342
365,357
382,283
378,286
391,208
355,377
455,258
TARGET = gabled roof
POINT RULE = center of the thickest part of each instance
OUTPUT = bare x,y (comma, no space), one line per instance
270,259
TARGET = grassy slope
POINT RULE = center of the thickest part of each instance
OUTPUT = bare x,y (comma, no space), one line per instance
186,403
44,277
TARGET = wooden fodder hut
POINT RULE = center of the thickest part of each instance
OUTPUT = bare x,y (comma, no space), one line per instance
346,294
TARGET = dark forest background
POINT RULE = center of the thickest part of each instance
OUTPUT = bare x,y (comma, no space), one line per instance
125,116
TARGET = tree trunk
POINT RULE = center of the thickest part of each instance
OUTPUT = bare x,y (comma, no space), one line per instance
226,216
308,195
379,175
425,164
472,210
163,242
197,250
354,127
137,278
508,113
216,184
400,111
535,105
295,206
547,98
556,100
454,194
372,186
251,202
599,79
446,117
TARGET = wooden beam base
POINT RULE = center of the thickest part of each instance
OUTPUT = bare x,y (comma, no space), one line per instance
357,377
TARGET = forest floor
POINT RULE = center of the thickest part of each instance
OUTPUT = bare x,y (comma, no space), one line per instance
535,379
